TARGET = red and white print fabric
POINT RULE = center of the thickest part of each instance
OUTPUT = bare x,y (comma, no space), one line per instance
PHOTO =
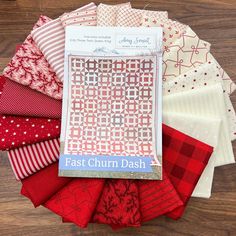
30,68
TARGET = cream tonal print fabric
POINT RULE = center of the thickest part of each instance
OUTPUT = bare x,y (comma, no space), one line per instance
172,30
204,75
106,14
86,18
131,17
205,130
209,103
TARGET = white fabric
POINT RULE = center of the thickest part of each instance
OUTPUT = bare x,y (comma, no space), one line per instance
207,102
204,75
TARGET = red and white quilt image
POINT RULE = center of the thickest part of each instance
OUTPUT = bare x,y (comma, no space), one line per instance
111,106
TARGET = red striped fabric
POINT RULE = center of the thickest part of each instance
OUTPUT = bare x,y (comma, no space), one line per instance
29,159
50,38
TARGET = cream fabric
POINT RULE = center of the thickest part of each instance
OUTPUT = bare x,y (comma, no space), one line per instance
209,103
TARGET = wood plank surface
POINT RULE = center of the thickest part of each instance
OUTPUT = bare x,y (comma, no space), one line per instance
215,22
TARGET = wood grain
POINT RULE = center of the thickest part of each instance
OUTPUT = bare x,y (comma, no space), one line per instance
214,21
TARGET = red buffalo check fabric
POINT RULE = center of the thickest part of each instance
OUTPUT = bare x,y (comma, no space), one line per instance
17,99
119,204
185,158
17,131
30,68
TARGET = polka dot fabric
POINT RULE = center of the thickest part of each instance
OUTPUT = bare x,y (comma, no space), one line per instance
17,99
16,131
87,17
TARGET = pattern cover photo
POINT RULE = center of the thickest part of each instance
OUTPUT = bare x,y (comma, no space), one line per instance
110,116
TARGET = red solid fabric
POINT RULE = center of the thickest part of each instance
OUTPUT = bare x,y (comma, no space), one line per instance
185,158
40,186
17,99
119,204
16,131
77,200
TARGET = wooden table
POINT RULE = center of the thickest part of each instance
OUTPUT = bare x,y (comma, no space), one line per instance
215,22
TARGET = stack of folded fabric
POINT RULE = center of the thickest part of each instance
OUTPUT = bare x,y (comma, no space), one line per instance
199,122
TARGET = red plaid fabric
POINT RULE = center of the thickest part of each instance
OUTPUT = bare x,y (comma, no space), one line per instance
185,158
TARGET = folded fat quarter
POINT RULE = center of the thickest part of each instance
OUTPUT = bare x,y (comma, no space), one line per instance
131,17
207,102
204,75
77,201
172,30
118,205
30,68
185,158
205,130
50,38
29,159
187,52
106,14
157,197
17,131
85,17
17,99
43,185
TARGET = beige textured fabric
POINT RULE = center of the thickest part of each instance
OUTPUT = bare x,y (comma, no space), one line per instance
204,75
209,103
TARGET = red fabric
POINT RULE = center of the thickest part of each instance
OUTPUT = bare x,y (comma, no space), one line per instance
43,184
157,198
16,131
184,160
118,204
77,200
17,99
